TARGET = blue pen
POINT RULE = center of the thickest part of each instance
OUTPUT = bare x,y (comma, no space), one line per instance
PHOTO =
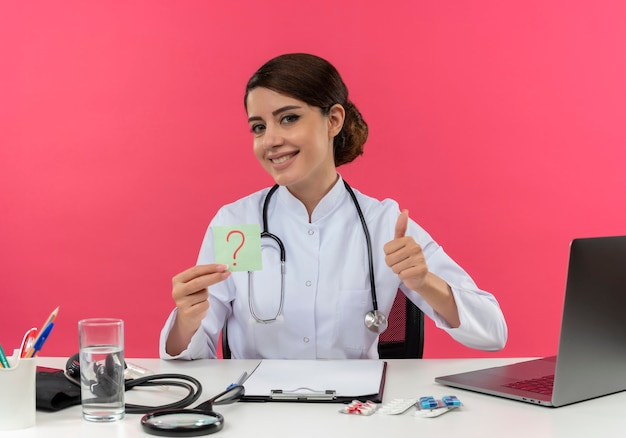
41,339
239,382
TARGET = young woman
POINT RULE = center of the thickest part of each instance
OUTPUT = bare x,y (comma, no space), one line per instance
346,254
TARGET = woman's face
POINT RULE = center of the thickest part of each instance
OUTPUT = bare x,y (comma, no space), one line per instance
292,140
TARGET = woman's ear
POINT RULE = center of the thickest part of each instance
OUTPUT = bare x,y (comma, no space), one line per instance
336,117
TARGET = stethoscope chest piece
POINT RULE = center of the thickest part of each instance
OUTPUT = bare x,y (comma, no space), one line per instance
376,321
186,422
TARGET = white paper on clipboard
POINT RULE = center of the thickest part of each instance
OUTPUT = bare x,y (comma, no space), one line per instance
348,379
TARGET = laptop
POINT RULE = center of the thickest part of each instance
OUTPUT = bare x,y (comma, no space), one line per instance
591,356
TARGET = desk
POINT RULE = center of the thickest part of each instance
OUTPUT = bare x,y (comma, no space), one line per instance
480,416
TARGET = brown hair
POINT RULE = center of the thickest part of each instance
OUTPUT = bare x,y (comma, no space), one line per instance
316,82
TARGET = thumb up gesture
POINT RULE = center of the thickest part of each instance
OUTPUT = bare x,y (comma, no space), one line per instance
405,257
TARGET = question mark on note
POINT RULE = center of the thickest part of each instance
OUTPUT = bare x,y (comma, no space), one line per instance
243,239
238,246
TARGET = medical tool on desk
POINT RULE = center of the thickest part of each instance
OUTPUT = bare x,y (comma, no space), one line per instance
105,384
201,420
375,320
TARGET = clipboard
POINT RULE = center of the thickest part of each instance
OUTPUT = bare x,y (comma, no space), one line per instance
314,381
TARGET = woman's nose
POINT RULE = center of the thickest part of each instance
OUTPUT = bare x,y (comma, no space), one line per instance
272,137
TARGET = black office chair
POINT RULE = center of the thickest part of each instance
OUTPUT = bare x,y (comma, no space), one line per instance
225,348
403,339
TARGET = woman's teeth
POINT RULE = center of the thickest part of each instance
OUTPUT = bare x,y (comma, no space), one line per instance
281,159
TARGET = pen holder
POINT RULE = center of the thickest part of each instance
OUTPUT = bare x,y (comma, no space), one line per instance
18,400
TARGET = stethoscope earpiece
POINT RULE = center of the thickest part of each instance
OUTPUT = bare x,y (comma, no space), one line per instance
376,321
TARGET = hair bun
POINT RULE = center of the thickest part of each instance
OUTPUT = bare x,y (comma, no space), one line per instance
351,140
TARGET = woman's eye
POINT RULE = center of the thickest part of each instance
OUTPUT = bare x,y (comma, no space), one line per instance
289,118
257,128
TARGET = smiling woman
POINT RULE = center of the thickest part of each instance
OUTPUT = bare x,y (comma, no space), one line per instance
294,143
122,133
304,126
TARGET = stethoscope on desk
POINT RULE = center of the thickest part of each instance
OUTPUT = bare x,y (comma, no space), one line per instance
201,420
172,419
375,320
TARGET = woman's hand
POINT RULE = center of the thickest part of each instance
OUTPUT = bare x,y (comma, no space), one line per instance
405,257
190,291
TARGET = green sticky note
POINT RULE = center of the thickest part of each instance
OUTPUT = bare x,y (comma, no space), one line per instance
238,246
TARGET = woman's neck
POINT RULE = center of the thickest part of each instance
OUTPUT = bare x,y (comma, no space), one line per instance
312,195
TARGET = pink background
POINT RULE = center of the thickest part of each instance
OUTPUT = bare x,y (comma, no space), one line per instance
499,125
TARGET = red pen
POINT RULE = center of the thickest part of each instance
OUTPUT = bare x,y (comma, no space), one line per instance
29,340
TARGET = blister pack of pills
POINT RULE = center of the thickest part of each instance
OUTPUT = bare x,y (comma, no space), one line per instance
397,406
430,407
357,407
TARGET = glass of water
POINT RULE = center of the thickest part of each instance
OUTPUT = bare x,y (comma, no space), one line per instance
102,368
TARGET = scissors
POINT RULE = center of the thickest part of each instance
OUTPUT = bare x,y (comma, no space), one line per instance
28,342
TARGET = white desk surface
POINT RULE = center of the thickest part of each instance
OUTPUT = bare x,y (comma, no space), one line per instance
480,415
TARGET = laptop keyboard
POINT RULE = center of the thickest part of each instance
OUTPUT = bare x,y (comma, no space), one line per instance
541,385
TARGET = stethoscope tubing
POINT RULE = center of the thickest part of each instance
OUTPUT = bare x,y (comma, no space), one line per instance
373,315
370,256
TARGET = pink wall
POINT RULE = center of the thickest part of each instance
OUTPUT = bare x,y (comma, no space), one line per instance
499,125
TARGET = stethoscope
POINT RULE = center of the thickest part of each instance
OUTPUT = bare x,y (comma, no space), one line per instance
375,320
172,419
201,420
